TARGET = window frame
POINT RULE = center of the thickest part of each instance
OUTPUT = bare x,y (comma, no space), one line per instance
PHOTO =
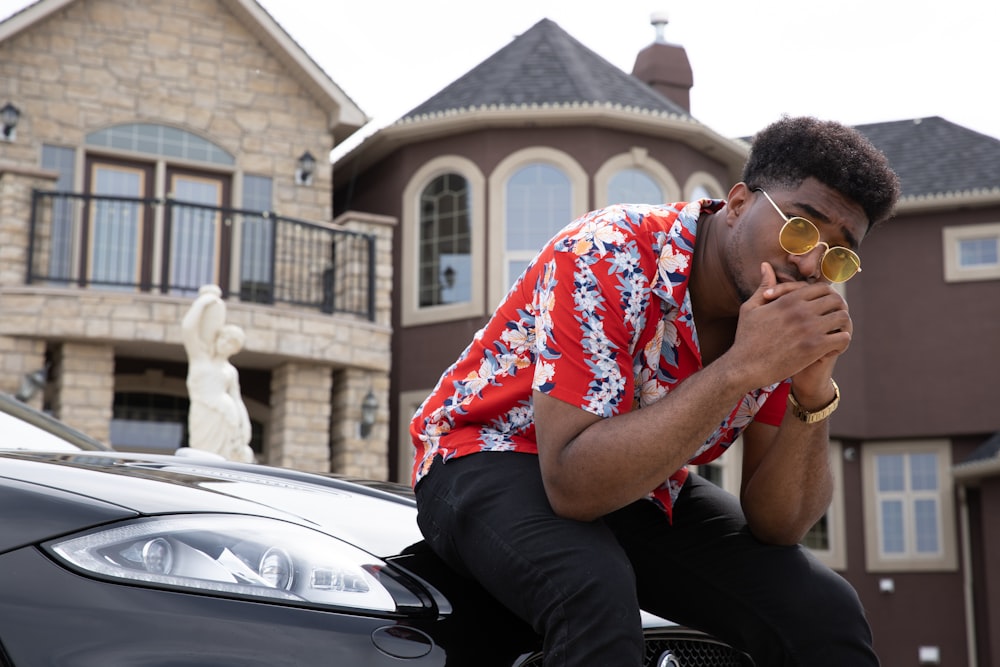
411,312
498,285
951,238
703,179
875,560
636,158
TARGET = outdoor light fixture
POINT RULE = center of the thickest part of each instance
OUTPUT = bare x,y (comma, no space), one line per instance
449,277
306,169
9,115
369,406
31,383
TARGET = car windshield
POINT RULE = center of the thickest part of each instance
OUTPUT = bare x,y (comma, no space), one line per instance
19,434
23,427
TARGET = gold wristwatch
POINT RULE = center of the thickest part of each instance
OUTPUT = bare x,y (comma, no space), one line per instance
812,417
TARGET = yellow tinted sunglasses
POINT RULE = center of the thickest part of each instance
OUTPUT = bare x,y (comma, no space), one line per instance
799,236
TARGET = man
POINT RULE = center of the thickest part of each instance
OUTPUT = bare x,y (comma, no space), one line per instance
550,456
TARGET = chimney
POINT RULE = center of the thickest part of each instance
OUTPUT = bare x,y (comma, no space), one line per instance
665,67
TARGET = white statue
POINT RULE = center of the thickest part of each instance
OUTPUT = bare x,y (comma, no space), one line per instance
217,419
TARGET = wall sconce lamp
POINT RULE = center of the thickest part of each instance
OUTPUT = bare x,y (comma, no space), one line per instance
9,115
305,169
369,406
449,277
31,384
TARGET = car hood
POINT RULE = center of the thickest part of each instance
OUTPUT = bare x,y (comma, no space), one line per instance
101,486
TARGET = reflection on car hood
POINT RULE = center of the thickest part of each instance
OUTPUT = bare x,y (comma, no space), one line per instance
371,518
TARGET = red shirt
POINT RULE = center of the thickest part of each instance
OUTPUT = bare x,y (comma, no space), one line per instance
602,320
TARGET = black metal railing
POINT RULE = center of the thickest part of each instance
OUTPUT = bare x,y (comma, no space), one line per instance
173,247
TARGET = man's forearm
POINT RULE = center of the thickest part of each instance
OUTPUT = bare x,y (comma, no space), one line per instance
611,462
791,486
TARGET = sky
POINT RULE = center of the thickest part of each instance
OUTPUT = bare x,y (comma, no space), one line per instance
855,61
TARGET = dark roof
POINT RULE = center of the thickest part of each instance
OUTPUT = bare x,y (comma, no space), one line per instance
545,65
986,451
934,156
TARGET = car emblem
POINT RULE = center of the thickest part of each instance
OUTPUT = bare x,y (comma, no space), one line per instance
668,659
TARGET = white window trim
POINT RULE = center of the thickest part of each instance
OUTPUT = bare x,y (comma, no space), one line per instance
707,181
874,560
498,286
952,236
731,465
406,405
637,158
411,314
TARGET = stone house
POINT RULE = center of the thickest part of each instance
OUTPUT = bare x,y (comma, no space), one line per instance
150,148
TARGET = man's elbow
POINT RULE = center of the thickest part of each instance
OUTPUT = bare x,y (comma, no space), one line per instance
570,506
779,536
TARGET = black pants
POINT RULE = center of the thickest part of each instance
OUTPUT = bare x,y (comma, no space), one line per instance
581,584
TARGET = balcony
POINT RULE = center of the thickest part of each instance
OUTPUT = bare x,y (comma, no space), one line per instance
171,247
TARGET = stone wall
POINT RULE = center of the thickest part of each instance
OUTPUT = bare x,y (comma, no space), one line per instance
191,64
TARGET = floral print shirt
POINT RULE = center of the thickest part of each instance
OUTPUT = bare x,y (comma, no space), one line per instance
601,319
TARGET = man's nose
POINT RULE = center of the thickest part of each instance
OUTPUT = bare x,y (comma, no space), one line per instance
810,265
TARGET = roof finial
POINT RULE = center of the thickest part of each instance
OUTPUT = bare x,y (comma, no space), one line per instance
659,20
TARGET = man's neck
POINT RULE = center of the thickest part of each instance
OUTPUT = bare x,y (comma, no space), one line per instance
715,303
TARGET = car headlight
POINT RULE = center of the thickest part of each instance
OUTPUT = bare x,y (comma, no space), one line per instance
232,555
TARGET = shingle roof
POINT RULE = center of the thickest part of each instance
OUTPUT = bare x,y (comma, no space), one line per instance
545,65
934,156
988,450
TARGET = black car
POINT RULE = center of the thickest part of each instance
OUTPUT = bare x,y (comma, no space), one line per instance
110,558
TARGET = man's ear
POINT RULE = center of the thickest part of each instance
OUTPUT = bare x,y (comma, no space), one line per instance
737,202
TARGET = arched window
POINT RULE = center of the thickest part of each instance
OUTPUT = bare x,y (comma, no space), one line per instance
170,142
445,242
700,192
701,185
633,186
633,177
539,204
443,227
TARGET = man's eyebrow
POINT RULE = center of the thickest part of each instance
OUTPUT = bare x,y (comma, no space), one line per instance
852,241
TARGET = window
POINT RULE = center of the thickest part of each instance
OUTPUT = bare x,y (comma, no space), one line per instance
445,243
725,471
701,185
195,231
145,421
909,506
634,186
407,404
972,252
535,192
162,140
63,161
634,178
117,224
256,247
538,205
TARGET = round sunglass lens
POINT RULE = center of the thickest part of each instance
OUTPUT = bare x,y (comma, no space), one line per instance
840,264
798,236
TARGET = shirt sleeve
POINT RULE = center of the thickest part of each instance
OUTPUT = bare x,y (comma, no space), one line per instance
773,410
582,335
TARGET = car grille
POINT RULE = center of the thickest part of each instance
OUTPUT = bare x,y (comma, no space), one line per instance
690,649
